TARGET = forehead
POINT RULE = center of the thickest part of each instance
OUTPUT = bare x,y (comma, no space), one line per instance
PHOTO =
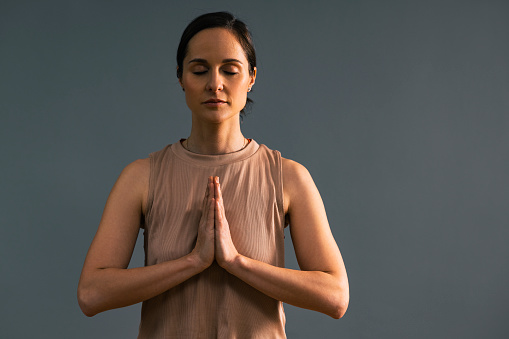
215,43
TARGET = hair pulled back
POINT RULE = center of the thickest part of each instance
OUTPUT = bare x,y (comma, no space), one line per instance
218,20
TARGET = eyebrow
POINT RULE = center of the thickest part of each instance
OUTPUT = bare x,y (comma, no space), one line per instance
203,61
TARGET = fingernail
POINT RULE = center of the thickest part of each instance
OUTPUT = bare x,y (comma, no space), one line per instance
217,180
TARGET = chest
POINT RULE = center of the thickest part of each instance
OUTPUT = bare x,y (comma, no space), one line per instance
253,208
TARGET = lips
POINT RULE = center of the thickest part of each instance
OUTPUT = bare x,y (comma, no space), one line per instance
214,101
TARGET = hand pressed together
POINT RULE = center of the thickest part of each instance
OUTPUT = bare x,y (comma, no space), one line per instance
214,238
204,248
226,253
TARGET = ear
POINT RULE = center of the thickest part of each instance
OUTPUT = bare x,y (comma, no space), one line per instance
180,79
252,78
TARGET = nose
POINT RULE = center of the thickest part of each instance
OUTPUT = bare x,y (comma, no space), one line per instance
215,82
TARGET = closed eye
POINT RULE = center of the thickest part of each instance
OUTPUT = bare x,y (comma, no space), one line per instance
203,72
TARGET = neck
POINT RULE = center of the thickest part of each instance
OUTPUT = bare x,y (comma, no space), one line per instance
215,138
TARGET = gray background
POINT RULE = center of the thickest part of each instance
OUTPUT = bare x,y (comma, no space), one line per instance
399,109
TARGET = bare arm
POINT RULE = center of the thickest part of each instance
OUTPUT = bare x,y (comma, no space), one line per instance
322,283
105,281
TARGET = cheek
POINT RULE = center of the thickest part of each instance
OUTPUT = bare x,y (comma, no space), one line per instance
190,81
240,88
240,97
191,89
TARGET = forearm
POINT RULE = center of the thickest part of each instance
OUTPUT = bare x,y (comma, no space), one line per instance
315,290
103,289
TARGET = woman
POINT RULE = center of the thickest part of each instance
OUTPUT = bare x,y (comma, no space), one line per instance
214,207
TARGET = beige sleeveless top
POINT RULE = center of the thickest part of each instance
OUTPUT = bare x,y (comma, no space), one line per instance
214,303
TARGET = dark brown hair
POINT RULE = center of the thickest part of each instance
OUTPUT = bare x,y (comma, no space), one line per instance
218,20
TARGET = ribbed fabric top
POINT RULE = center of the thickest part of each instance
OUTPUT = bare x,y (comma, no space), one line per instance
214,303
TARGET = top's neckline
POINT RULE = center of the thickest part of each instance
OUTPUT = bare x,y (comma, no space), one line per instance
214,159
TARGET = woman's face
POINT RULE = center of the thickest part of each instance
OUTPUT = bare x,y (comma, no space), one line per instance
215,75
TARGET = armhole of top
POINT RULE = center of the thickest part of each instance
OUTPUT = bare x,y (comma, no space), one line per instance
280,189
151,186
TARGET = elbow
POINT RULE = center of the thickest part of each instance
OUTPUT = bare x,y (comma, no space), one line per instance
340,304
86,301
339,310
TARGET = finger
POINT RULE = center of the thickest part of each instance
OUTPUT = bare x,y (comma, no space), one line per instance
207,197
217,213
217,190
210,212
216,182
207,193
219,197
220,200
207,220
210,223
211,192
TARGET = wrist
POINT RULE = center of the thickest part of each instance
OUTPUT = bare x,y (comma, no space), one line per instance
197,262
234,264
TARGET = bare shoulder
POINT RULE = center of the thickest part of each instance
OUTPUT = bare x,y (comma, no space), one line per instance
296,180
134,179
137,170
295,175
292,170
